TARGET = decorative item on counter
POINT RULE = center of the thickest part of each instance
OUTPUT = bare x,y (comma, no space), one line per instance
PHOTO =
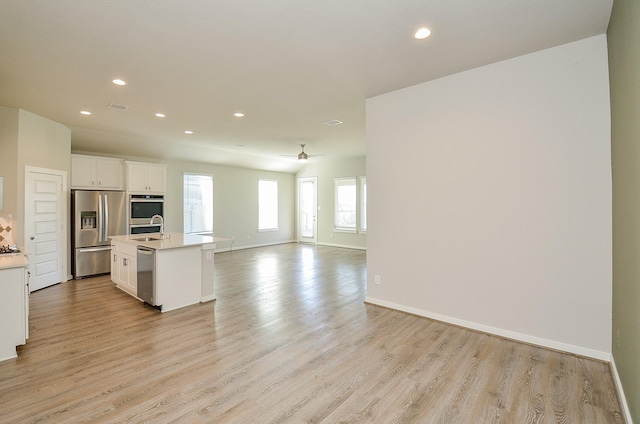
9,249
6,235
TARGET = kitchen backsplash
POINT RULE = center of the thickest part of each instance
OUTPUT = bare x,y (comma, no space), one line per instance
6,230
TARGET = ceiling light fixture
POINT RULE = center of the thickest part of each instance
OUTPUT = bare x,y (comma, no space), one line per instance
238,114
188,132
302,156
85,112
422,33
332,123
119,82
160,115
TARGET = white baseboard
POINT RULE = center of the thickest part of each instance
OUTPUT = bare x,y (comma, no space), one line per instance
552,344
204,299
251,246
345,246
623,399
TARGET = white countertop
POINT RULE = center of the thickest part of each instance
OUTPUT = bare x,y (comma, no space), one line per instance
13,260
170,240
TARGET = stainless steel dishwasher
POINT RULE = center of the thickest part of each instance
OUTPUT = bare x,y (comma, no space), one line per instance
147,274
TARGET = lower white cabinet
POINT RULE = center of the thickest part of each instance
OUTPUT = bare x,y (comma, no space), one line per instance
124,267
14,310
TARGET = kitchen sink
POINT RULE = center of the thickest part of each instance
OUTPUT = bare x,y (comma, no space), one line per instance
146,239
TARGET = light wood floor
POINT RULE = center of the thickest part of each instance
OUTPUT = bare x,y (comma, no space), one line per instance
289,340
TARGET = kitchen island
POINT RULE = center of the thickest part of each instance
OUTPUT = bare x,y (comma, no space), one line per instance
180,270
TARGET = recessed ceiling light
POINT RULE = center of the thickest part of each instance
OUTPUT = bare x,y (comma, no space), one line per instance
119,82
238,114
85,112
188,132
422,33
160,115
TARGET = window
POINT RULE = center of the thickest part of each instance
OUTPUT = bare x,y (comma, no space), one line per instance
345,204
363,204
198,204
267,205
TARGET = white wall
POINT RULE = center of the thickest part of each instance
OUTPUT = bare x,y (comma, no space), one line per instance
9,160
235,199
326,173
490,198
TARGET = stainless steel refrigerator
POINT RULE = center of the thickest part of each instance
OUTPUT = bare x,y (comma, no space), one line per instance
96,215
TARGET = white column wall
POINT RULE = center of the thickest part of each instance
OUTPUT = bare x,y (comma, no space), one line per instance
490,198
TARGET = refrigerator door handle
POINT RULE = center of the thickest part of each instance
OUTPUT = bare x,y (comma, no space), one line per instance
100,219
106,218
93,249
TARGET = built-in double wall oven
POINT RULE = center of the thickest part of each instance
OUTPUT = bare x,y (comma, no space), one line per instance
142,207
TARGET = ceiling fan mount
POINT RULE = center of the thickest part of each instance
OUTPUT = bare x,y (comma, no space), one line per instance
302,156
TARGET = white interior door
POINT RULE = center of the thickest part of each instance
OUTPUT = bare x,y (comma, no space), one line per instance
308,210
45,214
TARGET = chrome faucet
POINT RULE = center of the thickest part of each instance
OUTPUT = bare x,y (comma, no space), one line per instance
161,224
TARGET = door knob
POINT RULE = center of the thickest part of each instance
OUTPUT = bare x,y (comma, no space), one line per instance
32,238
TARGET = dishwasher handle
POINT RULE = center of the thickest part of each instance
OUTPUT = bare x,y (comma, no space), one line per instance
143,250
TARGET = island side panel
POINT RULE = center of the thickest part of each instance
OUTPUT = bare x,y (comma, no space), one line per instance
178,274
207,291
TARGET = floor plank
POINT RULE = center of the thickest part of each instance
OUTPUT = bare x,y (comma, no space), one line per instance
289,340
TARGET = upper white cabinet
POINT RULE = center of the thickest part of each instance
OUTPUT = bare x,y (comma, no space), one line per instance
96,173
146,177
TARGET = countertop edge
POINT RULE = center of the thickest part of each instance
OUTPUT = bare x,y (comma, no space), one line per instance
14,261
171,241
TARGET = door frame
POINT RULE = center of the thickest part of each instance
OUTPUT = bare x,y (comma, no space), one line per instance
63,232
313,240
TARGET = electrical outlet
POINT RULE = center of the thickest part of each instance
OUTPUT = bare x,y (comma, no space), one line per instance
377,279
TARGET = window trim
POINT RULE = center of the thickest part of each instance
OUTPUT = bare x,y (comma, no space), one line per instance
362,213
336,184
212,232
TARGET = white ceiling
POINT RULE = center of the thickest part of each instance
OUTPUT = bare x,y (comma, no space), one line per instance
289,65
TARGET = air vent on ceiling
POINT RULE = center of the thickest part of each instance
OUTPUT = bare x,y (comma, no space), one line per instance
333,123
116,106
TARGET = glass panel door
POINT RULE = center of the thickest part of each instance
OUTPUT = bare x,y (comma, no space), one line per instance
307,210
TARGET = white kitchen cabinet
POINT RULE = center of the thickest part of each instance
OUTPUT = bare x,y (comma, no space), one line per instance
14,306
146,178
96,173
127,273
115,271
124,267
